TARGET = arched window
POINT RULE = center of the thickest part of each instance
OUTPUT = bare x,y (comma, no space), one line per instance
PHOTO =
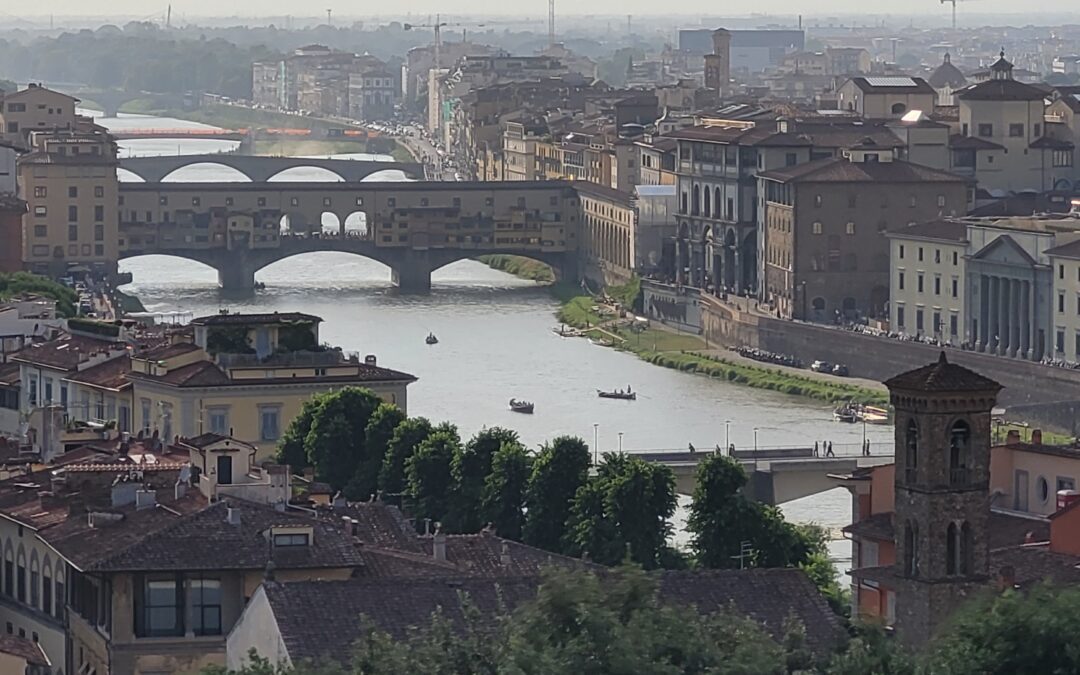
695,204
9,570
707,208
20,576
899,108
959,450
911,549
966,549
47,587
818,303
35,581
950,549
61,595
911,450
716,203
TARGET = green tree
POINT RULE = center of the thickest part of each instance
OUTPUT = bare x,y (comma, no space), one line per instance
504,490
626,508
722,518
470,470
336,443
18,283
428,473
377,436
407,437
871,651
290,449
1031,633
559,470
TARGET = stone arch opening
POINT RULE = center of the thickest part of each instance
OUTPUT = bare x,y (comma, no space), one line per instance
206,172
306,173
911,450
356,225
330,224
154,268
387,176
959,452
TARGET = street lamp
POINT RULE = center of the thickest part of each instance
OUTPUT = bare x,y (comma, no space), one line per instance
755,442
595,443
727,435
620,442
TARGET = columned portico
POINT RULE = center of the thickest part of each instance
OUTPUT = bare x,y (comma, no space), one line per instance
1004,319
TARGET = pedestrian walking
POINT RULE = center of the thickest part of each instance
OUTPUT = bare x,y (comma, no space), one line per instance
829,452
816,451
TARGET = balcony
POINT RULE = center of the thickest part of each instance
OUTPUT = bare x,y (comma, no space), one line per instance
330,357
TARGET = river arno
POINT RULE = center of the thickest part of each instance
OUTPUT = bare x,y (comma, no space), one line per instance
496,342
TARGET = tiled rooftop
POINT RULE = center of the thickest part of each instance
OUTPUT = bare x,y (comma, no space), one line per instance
942,376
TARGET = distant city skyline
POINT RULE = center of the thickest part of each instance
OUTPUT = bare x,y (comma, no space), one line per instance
258,10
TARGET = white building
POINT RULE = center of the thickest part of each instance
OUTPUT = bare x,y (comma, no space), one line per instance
927,285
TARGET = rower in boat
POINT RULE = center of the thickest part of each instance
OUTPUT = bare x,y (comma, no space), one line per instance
431,339
521,406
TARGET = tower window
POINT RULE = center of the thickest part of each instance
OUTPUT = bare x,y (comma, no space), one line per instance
966,549
911,550
951,535
911,451
959,452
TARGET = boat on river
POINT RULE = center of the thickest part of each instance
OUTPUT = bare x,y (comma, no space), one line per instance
521,406
619,394
431,339
845,413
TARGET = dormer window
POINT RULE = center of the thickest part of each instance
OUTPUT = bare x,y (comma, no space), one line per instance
293,539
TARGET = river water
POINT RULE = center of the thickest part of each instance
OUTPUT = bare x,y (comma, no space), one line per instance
495,342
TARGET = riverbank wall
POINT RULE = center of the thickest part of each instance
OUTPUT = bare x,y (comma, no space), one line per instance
1034,393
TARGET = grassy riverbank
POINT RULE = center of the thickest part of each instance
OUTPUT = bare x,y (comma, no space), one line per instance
679,351
526,268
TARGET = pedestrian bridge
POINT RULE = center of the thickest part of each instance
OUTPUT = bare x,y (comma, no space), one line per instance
779,474
262,169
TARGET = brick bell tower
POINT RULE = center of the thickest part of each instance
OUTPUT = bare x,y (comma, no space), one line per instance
942,507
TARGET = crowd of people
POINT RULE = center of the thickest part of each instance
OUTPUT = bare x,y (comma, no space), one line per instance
766,356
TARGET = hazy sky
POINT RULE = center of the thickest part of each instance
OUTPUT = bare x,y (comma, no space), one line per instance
11,12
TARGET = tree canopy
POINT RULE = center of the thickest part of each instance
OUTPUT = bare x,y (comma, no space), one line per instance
560,468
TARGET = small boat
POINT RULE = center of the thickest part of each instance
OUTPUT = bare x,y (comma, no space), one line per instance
619,394
521,406
431,339
845,413
260,286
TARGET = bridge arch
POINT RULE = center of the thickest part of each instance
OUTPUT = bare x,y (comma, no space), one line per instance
206,172
306,173
260,169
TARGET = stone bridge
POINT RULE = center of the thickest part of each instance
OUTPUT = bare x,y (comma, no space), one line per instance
413,228
262,169
777,475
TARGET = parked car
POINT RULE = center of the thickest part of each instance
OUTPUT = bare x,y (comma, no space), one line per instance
821,367
840,369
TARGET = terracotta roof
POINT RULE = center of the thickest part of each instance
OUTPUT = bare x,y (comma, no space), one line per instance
878,526
1035,563
267,317
482,555
65,352
205,540
1070,250
841,170
377,524
208,374
1048,143
204,440
9,374
1001,90
767,597
168,351
959,142
942,230
942,377
25,649
109,375
1005,528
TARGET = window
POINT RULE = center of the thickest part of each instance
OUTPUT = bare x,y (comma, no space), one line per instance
1059,341
919,282
959,449
911,549
1065,483
35,584
1042,489
206,606
1036,130
228,201
73,233
269,423
99,232
1016,130
937,322
901,251
937,285
9,575
40,211
20,579
46,590
163,200
817,200
99,213
73,192
955,286
900,316
816,227
294,539
99,191
791,159
41,231
918,319
920,254
16,107
850,228
1061,303
40,191
61,597
952,534
953,325
217,419
1061,271
159,606
986,130
900,279
937,255
955,257
1062,158
73,213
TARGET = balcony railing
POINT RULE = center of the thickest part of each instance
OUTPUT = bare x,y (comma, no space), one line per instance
330,357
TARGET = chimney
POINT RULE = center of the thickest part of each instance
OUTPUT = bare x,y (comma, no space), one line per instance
438,545
57,483
145,499
232,516
1007,577
1012,438
339,501
1036,437
504,554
